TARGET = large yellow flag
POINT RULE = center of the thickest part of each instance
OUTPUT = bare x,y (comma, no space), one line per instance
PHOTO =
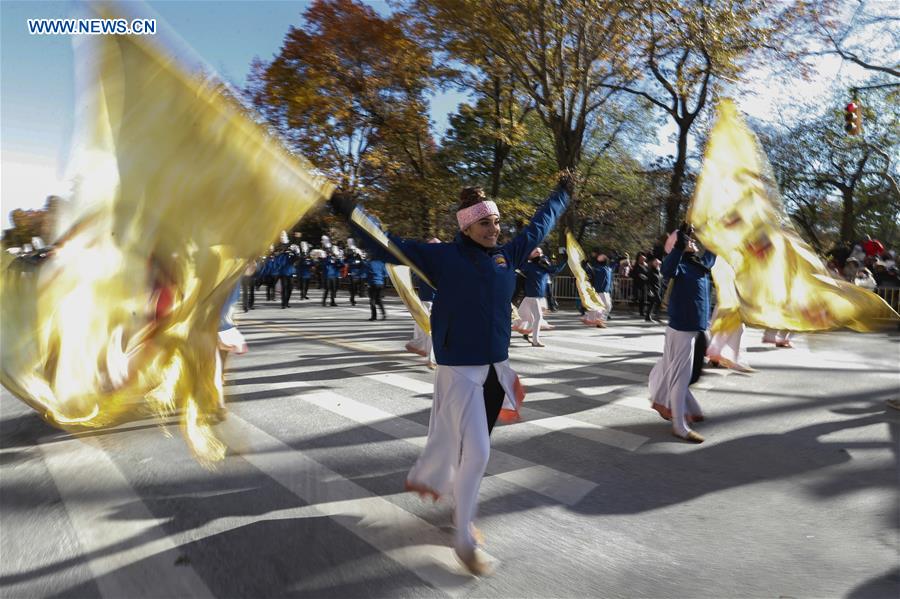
780,281
401,276
176,189
594,306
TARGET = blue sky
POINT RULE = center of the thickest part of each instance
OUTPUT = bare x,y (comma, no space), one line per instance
37,80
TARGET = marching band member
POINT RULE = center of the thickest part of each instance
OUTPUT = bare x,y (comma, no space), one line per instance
377,272
305,265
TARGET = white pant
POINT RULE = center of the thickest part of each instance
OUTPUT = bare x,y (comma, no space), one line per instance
458,446
531,316
726,344
595,317
671,377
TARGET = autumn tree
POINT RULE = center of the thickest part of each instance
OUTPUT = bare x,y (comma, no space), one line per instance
33,223
559,52
686,51
341,85
837,187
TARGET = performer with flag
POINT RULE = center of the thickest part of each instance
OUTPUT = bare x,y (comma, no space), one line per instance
688,315
87,347
602,279
537,273
474,278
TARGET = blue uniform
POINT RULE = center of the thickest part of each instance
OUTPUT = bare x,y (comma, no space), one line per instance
305,267
689,298
425,293
601,278
377,272
537,277
332,267
470,317
284,264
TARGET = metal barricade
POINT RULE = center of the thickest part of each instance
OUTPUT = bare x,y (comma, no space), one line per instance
891,295
564,288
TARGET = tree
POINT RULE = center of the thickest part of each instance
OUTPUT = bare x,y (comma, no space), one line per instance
559,52
865,34
687,50
33,223
837,187
338,83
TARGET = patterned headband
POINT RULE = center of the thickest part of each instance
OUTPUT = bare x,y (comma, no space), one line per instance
473,214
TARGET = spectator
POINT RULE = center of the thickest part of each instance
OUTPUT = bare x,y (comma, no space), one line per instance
864,279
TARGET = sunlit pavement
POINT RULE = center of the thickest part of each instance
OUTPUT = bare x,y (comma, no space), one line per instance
794,493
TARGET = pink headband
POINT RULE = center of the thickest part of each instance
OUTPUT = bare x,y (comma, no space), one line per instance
473,214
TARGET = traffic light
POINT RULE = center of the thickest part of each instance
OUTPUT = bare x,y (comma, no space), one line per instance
853,118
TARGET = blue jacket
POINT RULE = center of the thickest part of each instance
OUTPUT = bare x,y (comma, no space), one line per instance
537,277
426,293
284,264
377,272
470,317
332,267
267,268
601,277
356,268
689,298
305,266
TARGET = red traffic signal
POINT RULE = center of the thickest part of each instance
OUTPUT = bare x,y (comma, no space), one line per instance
852,119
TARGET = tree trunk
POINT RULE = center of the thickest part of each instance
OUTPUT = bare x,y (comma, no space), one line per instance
675,199
848,220
501,151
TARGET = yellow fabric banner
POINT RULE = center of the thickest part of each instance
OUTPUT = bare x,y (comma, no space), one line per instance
575,256
177,189
401,277
779,280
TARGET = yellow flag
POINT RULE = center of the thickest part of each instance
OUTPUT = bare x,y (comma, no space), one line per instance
728,305
575,256
402,280
779,280
176,190
370,225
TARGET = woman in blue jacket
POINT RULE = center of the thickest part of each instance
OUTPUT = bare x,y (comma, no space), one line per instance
537,273
688,315
474,278
602,280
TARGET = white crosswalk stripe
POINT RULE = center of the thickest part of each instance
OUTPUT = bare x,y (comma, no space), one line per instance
82,471
376,519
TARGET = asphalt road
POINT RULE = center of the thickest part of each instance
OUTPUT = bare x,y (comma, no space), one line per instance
794,493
